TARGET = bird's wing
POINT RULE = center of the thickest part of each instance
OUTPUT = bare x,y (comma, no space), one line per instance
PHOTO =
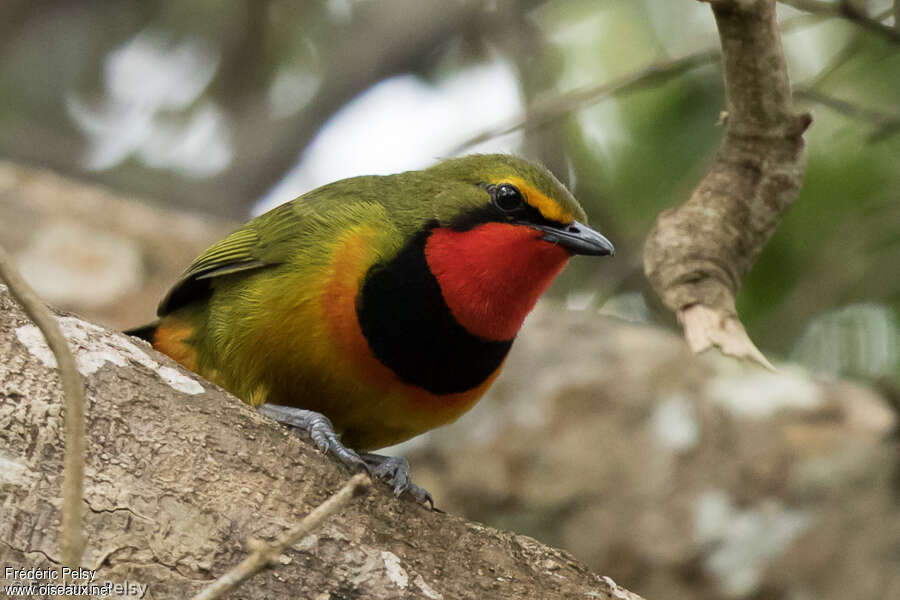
261,243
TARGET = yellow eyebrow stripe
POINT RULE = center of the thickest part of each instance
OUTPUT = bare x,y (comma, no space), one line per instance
549,208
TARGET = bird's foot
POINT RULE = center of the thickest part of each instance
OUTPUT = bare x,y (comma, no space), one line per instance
394,470
319,429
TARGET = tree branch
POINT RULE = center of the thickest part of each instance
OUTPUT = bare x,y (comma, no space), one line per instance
542,114
71,539
182,473
697,254
381,41
885,124
850,12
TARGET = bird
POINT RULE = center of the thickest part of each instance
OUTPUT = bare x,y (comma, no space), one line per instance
375,308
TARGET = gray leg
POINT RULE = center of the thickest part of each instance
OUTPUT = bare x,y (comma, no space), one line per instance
318,427
395,471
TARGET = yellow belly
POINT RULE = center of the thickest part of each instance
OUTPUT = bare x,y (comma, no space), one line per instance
305,349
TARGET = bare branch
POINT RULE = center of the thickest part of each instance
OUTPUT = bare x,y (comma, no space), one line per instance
542,114
263,555
885,124
381,41
849,11
697,254
704,327
820,7
71,539
195,471
841,58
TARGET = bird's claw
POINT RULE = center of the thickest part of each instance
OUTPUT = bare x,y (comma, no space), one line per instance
319,429
394,470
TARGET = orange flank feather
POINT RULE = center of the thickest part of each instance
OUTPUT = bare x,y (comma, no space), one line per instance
406,409
171,338
338,304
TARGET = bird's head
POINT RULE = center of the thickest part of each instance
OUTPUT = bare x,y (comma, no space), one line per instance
501,229
514,191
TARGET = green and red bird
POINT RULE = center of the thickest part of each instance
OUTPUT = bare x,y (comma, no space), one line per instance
375,308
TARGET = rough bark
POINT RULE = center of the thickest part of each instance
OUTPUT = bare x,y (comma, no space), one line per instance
179,475
698,253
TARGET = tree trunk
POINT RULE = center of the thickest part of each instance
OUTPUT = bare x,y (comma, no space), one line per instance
180,474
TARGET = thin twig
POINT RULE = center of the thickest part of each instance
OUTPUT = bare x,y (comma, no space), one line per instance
821,7
263,554
850,109
381,40
541,115
547,112
840,58
846,10
885,124
71,538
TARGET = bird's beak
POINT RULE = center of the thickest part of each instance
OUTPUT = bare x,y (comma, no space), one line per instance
577,238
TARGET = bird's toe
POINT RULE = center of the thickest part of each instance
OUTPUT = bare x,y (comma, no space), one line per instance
394,470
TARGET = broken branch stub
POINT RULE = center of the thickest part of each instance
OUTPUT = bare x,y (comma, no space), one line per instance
697,254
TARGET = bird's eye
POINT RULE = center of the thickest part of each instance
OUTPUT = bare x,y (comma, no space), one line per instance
508,198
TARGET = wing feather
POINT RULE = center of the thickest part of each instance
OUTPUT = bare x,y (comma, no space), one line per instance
257,245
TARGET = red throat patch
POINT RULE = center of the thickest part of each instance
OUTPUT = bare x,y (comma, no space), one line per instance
492,275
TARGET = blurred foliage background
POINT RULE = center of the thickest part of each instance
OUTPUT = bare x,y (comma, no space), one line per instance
230,106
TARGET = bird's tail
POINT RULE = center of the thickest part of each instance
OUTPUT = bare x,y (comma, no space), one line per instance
145,333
